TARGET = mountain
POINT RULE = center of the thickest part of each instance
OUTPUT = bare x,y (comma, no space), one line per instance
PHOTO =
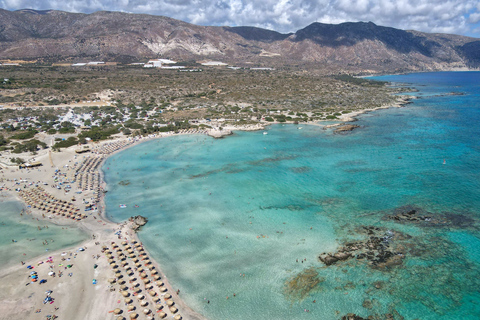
54,36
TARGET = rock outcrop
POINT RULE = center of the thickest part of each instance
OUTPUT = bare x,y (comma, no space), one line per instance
137,222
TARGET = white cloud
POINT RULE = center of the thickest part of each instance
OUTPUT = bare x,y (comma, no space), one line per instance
453,16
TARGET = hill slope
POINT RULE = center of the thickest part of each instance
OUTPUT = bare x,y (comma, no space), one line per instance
114,36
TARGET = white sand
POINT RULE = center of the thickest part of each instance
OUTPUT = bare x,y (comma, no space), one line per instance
75,297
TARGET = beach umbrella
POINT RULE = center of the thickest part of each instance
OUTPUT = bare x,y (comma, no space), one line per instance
121,282
141,297
131,255
124,243
111,280
124,263
158,306
133,315
128,300
156,299
135,284
152,293
125,293
135,260
173,309
120,318
178,317
130,308
157,277
123,287
141,271
143,274
138,264
144,303
137,290
159,283
167,296
116,270
163,289
154,272
170,303
148,286
162,315
117,311
132,278
146,311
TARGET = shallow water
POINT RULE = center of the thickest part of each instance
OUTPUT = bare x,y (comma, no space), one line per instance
235,215
30,235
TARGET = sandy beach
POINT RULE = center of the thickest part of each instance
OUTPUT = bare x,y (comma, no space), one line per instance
95,279
109,273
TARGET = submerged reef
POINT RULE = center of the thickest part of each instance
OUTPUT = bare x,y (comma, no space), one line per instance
381,249
411,214
301,285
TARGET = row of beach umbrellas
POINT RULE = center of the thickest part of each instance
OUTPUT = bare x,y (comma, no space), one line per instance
38,198
139,257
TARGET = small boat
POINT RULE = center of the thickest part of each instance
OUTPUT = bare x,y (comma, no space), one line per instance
265,132
299,128
444,162
123,206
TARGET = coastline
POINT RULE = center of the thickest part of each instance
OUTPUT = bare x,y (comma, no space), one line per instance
77,297
84,301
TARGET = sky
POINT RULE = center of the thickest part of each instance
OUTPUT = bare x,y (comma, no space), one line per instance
444,16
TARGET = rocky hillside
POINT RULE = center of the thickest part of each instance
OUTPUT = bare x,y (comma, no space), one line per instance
54,36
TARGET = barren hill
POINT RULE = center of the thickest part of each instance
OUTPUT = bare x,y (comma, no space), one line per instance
114,36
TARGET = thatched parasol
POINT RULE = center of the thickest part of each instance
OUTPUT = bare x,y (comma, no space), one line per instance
117,311
173,309
128,300
111,280
146,281
170,303
146,311
178,317
130,308
158,306
125,293
162,315
167,296
144,303
159,283
133,315
152,293
163,289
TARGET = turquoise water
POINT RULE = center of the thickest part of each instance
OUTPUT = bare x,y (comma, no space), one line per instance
30,235
258,205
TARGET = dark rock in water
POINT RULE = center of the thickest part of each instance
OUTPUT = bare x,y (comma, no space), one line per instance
137,222
377,249
328,259
346,128
379,284
416,215
353,316
367,304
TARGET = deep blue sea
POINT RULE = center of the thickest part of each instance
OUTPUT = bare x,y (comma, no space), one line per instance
238,223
